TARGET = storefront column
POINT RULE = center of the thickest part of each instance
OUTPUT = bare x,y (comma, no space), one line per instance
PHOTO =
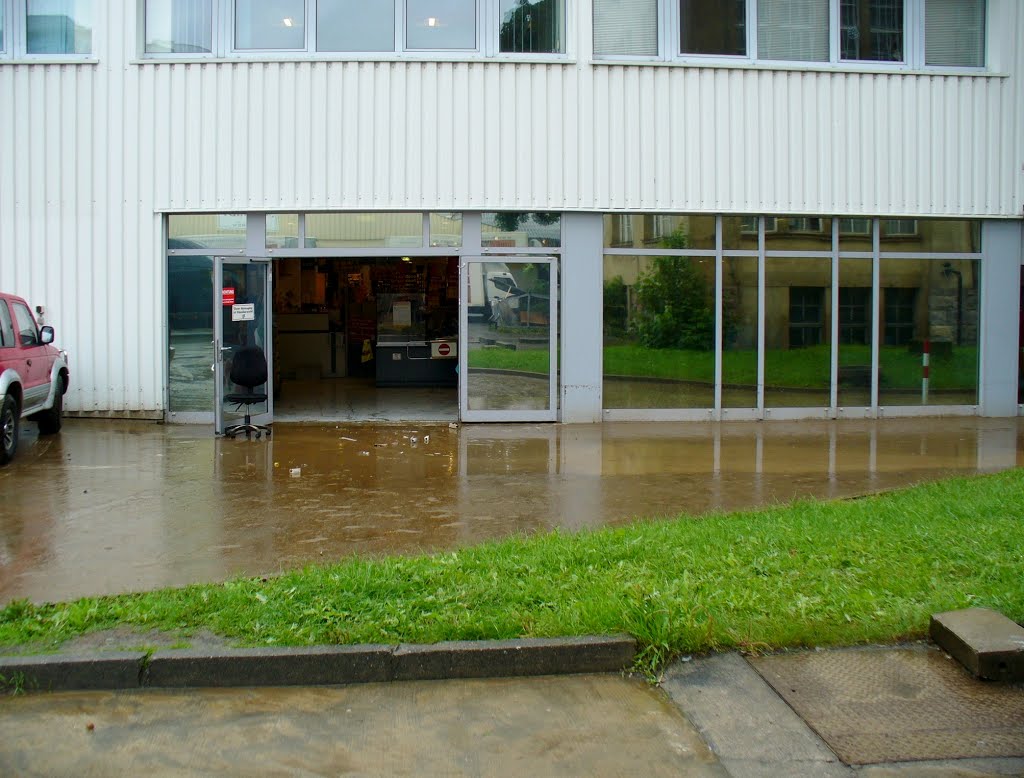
582,298
1001,243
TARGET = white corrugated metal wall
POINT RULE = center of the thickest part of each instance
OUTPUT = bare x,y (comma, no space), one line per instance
93,153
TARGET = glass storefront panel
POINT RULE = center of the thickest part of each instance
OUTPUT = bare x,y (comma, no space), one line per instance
933,304
798,316
959,236
206,231
364,230
740,232
659,332
509,366
509,229
739,332
856,233
855,337
661,230
190,333
446,229
282,231
532,26
798,233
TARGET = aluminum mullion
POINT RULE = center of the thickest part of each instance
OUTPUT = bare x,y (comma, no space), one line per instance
834,390
760,314
719,317
876,313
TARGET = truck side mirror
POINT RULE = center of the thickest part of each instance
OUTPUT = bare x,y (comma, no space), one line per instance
46,334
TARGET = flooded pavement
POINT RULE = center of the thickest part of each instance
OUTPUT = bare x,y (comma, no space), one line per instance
117,506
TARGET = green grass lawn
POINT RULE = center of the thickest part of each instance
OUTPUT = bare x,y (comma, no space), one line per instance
807,574
797,368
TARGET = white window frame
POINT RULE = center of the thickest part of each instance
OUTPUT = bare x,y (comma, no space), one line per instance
14,38
669,44
488,20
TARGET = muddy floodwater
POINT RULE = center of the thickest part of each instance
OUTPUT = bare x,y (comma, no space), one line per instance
117,506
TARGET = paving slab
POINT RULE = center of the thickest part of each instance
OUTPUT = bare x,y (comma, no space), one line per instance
983,640
586,725
911,703
747,725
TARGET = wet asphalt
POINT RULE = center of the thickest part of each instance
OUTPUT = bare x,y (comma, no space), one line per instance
113,506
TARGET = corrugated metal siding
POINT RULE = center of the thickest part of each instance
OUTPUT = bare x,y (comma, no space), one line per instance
92,153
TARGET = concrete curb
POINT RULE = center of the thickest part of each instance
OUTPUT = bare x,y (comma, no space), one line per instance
317,665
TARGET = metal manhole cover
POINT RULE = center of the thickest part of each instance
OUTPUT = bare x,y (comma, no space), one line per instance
894,705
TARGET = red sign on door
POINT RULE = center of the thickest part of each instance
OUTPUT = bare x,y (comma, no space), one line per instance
444,349
227,295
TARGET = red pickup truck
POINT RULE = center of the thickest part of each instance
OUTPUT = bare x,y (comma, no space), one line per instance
33,374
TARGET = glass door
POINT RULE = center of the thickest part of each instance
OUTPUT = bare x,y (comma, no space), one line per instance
242,317
508,356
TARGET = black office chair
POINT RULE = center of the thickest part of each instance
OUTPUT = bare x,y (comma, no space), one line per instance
248,370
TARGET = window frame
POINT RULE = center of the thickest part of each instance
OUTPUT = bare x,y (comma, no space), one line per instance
914,44
14,36
487,43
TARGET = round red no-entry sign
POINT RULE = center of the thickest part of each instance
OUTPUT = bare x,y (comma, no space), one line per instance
444,349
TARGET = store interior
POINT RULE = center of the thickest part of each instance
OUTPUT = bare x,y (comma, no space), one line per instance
366,339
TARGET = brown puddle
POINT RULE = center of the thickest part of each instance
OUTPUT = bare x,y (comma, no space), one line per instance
116,506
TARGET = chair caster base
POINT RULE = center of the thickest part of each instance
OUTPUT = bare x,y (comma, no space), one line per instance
248,429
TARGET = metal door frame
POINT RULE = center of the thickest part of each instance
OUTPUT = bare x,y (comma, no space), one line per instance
551,412
218,338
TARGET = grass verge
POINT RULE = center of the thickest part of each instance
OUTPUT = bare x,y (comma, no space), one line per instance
810,573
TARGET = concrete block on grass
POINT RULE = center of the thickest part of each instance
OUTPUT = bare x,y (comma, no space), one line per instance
987,643
508,658
270,666
58,672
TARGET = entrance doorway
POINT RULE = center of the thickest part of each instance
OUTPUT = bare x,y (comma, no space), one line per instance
366,339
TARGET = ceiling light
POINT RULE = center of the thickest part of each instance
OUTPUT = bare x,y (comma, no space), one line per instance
432,21
288,21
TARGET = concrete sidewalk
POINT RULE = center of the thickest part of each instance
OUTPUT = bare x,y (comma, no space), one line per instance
880,711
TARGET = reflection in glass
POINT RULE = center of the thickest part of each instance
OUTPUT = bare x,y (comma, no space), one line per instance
270,24
713,27
509,366
739,332
929,304
856,234
58,27
446,229
798,233
179,26
440,24
355,25
871,30
200,231
532,26
855,339
509,229
962,236
659,332
190,333
740,232
798,354
659,230
282,230
364,230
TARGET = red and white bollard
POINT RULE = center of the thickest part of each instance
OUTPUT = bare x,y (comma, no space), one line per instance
925,352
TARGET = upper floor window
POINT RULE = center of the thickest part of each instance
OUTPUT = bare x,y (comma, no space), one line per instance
224,27
914,33
46,28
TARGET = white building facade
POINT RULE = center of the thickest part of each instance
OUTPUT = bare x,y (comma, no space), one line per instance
715,210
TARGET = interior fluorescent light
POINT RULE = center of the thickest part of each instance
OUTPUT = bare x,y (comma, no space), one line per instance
288,21
432,21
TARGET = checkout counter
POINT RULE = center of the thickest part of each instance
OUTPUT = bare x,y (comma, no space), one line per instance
416,345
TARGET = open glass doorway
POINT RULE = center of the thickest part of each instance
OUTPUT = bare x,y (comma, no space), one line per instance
508,359
243,287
